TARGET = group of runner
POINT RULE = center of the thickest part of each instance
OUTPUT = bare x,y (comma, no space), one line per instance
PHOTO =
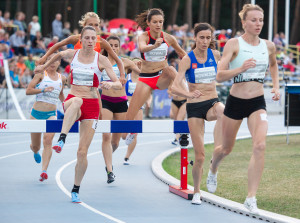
245,59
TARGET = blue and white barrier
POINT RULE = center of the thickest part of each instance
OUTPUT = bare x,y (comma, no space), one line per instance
103,126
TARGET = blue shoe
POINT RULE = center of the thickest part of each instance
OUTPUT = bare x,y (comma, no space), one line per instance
37,157
75,197
58,146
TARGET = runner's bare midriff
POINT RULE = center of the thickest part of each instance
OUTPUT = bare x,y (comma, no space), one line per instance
84,91
43,106
114,93
209,91
247,90
152,67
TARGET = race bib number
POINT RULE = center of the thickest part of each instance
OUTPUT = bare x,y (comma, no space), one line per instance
131,87
83,77
257,72
205,75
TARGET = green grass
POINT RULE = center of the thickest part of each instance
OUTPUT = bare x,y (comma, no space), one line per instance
279,189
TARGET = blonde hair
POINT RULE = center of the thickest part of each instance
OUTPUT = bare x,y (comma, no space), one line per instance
87,16
247,8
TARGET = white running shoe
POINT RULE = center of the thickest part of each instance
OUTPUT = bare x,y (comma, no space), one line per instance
129,138
211,182
196,199
126,161
251,205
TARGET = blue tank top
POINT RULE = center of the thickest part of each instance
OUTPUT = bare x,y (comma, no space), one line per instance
130,86
202,73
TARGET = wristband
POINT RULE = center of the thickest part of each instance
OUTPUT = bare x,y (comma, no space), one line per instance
43,90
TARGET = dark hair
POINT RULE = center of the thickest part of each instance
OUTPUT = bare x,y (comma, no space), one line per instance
205,26
104,53
145,16
86,28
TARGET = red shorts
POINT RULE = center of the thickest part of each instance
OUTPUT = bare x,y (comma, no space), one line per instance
90,108
150,79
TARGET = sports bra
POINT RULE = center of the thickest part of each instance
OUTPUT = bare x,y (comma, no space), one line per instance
202,73
158,54
85,74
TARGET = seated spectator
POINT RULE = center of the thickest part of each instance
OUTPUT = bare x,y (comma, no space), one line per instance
38,46
125,47
17,41
288,62
33,27
279,56
2,78
53,41
228,33
8,54
30,63
21,65
15,77
25,78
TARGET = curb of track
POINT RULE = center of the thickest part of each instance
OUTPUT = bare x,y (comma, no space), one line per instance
212,199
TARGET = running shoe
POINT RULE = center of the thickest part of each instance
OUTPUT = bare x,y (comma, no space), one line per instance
175,142
58,146
75,197
211,182
37,157
43,176
129,138
110,177
126,161
251,205
196,199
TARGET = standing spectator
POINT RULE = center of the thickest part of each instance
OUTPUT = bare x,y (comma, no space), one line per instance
228,33
276,40
282,38
17,41
132,31
125,47
19,20
25,78
38,45
6,18
57,26
33,27
222,39
122,34
66,30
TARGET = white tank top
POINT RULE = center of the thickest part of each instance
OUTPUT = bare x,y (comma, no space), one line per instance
259,53
49,97
85,74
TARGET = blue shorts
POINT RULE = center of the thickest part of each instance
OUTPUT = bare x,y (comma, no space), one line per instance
42,115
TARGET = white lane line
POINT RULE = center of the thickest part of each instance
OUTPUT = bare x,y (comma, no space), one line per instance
14,154
61,186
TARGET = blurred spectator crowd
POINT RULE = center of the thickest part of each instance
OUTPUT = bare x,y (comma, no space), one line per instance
23,43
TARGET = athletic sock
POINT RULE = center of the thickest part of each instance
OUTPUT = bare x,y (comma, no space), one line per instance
62,137
75,189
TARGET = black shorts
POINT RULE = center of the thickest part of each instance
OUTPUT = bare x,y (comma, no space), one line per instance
200,109
115,107
238,108
178,104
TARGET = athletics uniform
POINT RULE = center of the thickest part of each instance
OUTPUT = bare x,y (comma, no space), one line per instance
86,75
97,48
238,108
156,55
204,74
113,104
48,97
